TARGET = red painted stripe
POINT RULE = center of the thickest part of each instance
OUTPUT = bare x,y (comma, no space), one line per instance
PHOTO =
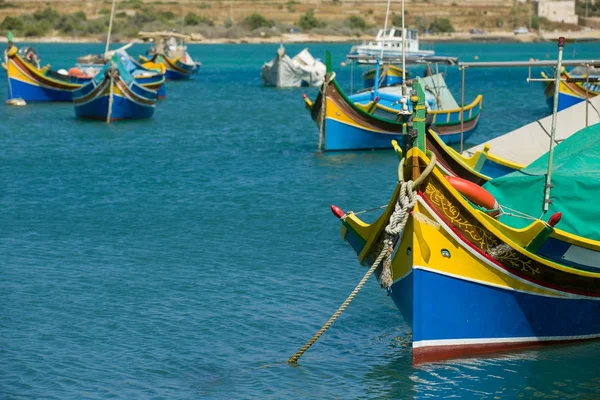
440,353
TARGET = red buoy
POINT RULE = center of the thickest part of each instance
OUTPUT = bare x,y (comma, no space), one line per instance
376,100
555,219
304,95
475,193
337,211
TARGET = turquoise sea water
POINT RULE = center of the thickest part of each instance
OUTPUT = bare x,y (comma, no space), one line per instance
190,255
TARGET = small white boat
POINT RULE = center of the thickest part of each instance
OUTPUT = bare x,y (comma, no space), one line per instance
390,42
301,70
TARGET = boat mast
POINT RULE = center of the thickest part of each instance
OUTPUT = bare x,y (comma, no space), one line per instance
110,23
548,186
387,13
404,91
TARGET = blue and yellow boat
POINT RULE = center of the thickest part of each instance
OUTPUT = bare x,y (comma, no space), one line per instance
573,88
479,270
170,51
389,75
357,123
151,78
34,84
113,94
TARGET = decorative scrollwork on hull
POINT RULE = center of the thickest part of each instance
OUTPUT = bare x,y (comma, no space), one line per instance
478,235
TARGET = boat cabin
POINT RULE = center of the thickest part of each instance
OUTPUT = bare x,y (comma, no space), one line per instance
392,38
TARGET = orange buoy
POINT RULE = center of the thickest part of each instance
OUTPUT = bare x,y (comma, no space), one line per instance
74,71
475,193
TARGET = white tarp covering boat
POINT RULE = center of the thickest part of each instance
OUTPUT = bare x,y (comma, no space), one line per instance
525,144
301,70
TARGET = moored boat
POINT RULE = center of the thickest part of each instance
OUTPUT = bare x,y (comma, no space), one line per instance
507,266
575,86
389,75
171,51
151,78
389,44
285,71
358,123
113,94
32,83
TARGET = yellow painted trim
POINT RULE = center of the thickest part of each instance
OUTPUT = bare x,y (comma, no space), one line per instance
15,73
427,244
510,235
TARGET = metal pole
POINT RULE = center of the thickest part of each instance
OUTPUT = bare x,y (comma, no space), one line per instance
587,92
110,23
548,186
387,12
403,53
10,94
545,63
462,110
351,76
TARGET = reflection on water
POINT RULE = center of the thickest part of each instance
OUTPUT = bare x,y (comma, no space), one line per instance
560,372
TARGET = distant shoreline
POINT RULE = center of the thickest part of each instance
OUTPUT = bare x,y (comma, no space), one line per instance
456,37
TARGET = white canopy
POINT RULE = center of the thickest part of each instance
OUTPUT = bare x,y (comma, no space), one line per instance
525,144
283,71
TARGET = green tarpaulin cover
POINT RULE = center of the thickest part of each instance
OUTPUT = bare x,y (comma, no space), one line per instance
576,191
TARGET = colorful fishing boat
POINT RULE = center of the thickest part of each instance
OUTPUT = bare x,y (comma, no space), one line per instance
389,75
360,122
575,87
171,51
32,83
29,81
513,264
151,78
113,94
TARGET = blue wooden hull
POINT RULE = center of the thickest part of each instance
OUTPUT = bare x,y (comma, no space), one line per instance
122,108
32,92
565,100
459,316
129,99
339,136
177,76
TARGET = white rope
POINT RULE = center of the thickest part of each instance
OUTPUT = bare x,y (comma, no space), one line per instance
515,213
407,199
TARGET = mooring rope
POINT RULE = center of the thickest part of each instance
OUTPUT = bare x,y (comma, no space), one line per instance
407,199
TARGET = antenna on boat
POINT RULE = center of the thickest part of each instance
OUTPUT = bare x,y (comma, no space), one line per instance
548,186
379,60
110,23
403,54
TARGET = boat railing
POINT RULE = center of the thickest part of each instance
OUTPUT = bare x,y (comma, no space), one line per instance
588,64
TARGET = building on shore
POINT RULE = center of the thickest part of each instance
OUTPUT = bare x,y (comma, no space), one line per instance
557,11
